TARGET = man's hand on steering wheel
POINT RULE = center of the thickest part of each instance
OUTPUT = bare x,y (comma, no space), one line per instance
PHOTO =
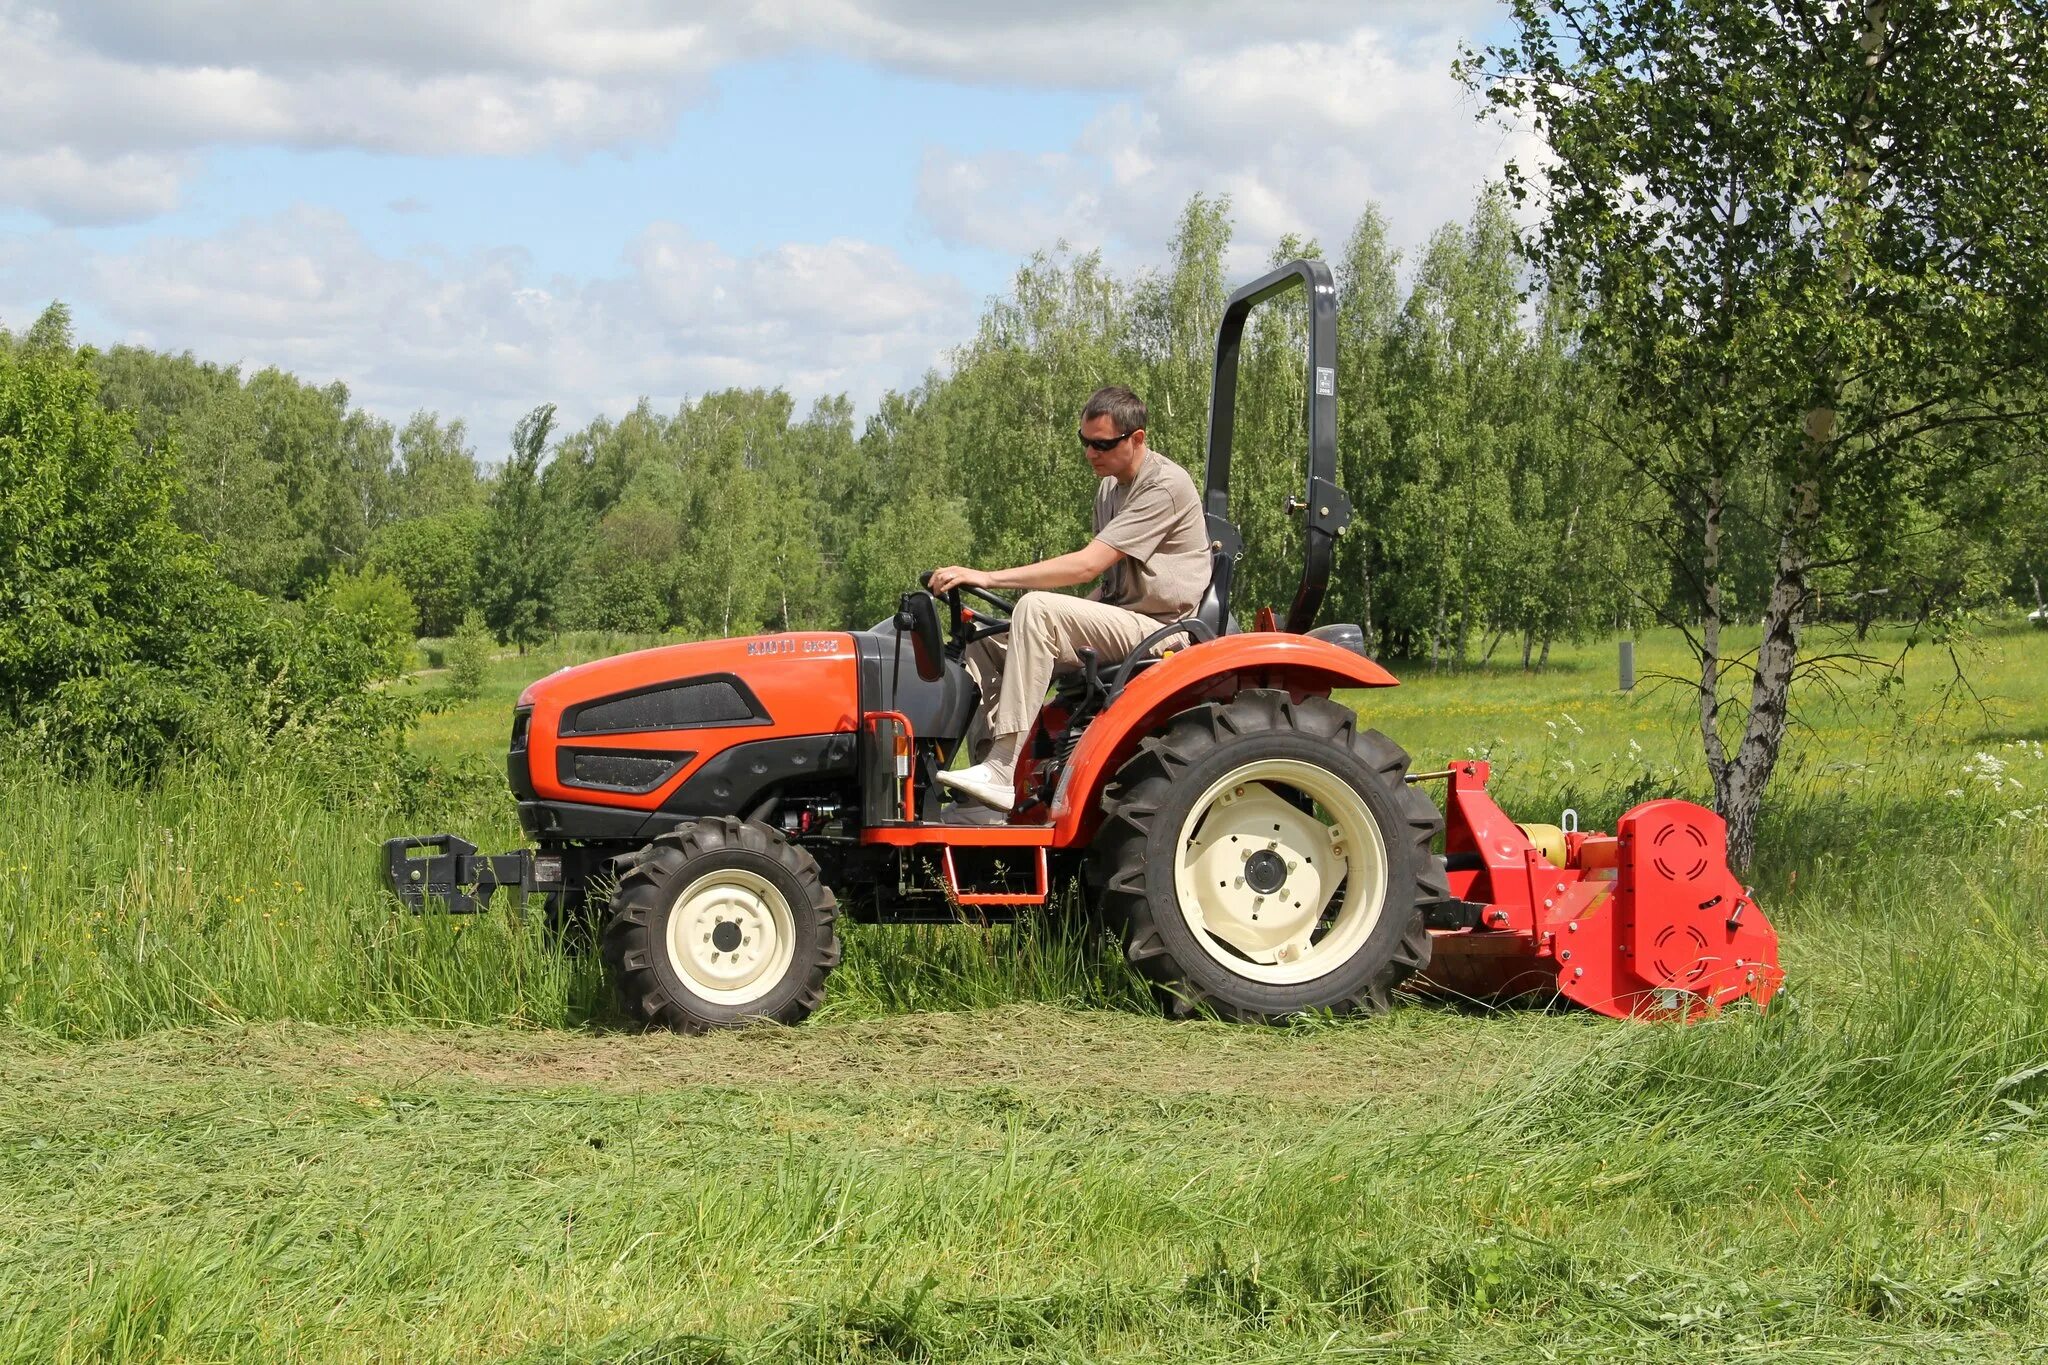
954,576
950,584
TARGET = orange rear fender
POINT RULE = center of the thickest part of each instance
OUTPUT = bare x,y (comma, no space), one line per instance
1212,671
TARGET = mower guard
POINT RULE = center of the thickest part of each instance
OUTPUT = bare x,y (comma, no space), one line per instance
455,878
1645,922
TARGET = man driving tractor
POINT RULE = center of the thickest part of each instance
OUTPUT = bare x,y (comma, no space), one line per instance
1151,551
721,806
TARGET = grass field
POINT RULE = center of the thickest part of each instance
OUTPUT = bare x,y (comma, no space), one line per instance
251,1113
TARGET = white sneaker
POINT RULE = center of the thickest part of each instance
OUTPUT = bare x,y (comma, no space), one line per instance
984,784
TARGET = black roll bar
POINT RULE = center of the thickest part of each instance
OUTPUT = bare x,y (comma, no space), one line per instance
1327,509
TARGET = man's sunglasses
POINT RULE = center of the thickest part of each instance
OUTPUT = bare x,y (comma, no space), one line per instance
1107,444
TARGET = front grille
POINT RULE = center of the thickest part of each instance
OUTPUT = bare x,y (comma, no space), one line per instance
617,770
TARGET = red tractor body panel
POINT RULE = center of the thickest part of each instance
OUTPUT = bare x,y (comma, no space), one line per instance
804,683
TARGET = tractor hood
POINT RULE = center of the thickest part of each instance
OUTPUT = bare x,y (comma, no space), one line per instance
629,731
801,682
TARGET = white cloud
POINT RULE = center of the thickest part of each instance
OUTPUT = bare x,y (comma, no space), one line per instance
485,337
128,87
1015,202
102,111
1078,43
65,186
1300,134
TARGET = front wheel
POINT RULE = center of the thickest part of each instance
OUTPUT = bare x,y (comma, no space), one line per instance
1264,858
721,923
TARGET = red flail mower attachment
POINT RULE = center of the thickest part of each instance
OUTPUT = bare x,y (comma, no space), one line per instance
1647,922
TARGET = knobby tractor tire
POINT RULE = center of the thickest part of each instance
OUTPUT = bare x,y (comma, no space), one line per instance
720,923
1249,764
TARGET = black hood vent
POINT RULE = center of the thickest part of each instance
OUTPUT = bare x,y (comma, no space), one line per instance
692,704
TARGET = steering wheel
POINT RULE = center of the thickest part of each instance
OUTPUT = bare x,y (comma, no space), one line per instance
969,625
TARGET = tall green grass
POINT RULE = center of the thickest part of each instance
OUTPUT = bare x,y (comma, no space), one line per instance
215,897
210,899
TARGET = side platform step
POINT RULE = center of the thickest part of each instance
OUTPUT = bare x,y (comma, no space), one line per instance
954,892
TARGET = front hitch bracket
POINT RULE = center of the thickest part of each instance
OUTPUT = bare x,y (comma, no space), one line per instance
455,878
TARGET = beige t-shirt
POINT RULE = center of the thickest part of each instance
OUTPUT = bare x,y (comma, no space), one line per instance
1157,523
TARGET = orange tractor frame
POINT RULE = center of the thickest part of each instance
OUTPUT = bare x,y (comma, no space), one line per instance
714,808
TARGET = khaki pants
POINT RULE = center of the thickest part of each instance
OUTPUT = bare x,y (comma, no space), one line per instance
1046,635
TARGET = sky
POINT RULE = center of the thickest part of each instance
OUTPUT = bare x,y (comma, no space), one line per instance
474,207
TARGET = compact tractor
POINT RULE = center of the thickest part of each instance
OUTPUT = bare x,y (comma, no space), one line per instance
716,807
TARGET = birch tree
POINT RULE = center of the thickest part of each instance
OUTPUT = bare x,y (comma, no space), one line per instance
1811,240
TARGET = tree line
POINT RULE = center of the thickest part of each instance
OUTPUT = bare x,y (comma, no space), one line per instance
1499,508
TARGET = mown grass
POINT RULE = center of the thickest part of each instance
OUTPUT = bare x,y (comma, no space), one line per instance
1858,1175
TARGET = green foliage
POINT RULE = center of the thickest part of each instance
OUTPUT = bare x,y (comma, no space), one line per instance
909,535
1003,425
719,490
623,573
902,519
469,656
122,646
284,478
519,568
1368,302
104,602
718,520
435,473
377,610
1174,315
435,556
302,685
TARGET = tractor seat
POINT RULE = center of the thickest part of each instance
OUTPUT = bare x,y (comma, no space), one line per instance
1210,611
1213,610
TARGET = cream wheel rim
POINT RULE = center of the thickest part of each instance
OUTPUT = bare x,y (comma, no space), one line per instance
731,936
1271,891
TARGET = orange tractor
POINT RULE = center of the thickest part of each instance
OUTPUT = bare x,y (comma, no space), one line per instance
715,808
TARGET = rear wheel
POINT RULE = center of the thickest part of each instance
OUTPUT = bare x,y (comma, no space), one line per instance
722,922
1263,857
